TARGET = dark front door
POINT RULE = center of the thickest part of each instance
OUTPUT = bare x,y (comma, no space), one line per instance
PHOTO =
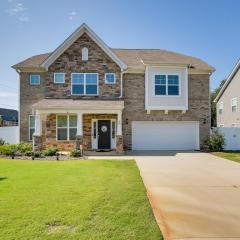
104,141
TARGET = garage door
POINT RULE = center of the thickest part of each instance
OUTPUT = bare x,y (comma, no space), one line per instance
159,135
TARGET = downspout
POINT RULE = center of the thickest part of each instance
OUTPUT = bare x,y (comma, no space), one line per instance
121,82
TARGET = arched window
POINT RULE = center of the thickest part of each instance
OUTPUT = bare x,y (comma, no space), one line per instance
84,54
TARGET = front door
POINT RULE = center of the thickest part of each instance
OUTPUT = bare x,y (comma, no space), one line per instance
104,140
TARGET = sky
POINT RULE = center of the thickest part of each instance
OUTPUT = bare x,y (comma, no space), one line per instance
207,29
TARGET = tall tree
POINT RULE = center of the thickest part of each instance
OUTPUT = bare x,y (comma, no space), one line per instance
214,94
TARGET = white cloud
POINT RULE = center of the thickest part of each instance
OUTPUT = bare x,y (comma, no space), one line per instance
72,15
18,10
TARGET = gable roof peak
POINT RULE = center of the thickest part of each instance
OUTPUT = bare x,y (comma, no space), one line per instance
83,28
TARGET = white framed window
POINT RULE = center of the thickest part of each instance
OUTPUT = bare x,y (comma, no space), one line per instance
84,54
35,79
234,104
220,108
59,77
113,129
66,127
166,85
31,126
84,84
110,78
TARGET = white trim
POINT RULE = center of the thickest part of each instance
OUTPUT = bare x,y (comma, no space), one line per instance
146,88
39,79
84,84
229,79
110,83
166,74
64,111
73,37
55,78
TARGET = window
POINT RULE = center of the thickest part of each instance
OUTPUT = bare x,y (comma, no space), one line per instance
94,129
34,79
59,77
220,109
31,126
234,104
84,83
166,85
66,127
84,54
113,129
110,78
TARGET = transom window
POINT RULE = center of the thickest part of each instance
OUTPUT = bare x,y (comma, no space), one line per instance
84,83
31,126
220,109
234,104
59,77
110,78
66,127
34,79
166,85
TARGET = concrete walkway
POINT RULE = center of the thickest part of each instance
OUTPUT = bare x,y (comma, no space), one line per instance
193,195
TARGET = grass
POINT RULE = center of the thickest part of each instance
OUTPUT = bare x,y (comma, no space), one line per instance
230,155
74,200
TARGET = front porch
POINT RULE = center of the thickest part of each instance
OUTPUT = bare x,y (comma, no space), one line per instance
97,125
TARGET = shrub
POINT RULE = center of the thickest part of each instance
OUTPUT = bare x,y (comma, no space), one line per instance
216,141
2,142
75,153
24,147
7,149
50,151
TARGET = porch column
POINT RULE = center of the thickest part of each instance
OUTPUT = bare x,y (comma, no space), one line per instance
37,136
38,125
79,137
119,139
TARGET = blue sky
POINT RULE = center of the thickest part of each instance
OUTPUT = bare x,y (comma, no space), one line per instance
208,29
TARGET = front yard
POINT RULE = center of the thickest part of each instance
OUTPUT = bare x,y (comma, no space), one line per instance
231,155
74,200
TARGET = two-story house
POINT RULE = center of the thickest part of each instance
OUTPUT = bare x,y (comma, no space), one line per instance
228,112
120,99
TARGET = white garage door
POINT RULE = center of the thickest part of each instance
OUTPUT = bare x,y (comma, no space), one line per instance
160,135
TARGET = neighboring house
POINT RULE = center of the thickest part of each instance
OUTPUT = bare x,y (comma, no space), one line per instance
228,100
8,117
105,98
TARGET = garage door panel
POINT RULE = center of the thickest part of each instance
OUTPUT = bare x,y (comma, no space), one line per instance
157,135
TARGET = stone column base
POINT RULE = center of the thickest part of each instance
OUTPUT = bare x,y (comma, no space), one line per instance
38,145
79,141
119,148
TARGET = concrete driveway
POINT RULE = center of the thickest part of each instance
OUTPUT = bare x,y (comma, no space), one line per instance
193,195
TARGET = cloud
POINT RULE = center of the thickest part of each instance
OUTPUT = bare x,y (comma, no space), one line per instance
72,15
17,10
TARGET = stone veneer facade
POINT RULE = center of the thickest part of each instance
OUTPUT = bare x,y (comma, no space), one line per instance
133,94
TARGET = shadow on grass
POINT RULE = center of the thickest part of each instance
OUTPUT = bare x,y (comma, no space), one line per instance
2,178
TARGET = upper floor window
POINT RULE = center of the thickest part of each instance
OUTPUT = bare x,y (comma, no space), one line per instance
234,104
166,85
31,126
220,109
110,78
85,54
59,77
84,83
34,79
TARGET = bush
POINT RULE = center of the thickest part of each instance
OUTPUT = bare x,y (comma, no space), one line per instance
50,151
216,141
75,153
2,142
24,147
7,149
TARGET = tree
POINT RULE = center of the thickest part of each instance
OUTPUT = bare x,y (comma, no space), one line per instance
214,94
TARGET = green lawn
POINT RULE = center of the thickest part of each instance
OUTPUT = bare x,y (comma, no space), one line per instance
231,155
74,200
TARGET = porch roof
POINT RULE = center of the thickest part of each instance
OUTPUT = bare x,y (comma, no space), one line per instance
72,104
